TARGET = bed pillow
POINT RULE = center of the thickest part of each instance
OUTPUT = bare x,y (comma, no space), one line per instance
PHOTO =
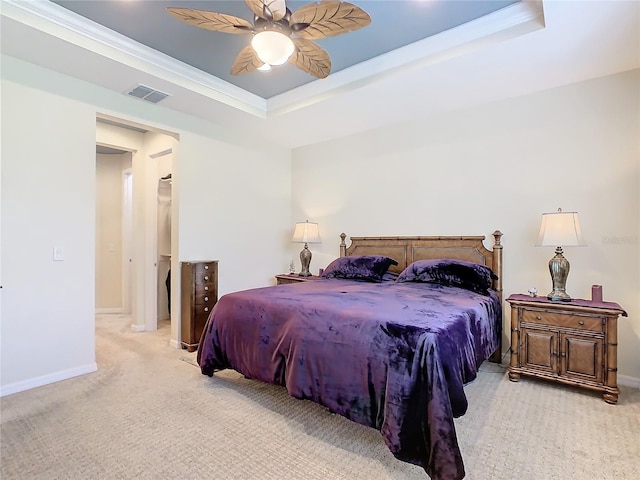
371,268
457,273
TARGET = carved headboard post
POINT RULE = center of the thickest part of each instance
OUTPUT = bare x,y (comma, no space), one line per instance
343,245
497,261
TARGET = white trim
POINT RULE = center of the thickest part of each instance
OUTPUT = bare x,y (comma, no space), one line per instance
47,379
127,242
628,381
168,151
62,23
174,343
137,328
109,310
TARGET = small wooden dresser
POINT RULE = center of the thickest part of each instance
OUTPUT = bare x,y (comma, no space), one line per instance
575,342
199,293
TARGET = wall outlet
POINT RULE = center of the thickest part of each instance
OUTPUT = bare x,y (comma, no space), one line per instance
58,254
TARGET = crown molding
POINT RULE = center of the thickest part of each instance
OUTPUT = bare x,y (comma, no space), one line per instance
518,19
55,20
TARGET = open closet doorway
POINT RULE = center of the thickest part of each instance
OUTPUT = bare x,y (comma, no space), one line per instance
141,215
113,231
164,167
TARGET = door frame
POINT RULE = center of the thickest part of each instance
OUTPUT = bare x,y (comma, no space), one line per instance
127,239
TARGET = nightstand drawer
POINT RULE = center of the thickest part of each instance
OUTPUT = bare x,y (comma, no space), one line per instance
563,320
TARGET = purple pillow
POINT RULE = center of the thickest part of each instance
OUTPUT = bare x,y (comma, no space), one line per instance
359,267
456,273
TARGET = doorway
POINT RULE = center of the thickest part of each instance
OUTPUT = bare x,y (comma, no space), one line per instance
144,256
113,214
163,172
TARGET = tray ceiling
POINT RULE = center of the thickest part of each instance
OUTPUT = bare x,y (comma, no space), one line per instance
395,24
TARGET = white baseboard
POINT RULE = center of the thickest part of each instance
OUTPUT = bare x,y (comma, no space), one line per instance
109,310
628,381
47,379
137,328
174,343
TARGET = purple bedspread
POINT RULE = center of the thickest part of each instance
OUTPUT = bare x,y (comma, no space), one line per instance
393,356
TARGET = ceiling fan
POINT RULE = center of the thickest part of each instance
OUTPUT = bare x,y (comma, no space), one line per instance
280,36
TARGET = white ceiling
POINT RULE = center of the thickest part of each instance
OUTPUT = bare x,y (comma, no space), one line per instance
523,48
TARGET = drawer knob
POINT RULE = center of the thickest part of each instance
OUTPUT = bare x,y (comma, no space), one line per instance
206,277
538,317
206,288
581,322
206,299
206,309
206,267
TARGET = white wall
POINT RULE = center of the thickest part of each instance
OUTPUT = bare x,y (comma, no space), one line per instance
235,208
499,166
48,200
236,203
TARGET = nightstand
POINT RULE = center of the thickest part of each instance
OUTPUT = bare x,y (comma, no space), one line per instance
286,278
574,342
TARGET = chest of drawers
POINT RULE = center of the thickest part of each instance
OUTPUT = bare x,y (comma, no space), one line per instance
199,293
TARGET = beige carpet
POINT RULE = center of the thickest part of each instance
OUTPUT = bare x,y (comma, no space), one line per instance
148,413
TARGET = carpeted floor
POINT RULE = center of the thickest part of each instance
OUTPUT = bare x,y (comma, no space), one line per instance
148,413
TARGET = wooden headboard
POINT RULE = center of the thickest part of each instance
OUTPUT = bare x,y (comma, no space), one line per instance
406,250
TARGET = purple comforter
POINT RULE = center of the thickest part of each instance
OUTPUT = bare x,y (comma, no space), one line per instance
393,356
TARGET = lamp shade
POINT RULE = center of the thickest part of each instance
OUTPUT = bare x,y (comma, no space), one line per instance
306,232
560,229
273,48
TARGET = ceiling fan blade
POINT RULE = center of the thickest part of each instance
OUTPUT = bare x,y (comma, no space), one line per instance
327,19
311,58
220,22
268,9
246,61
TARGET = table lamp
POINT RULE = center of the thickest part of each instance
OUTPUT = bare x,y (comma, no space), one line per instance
559,229
306,232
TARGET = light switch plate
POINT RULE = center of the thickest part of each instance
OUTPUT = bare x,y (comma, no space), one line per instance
58,254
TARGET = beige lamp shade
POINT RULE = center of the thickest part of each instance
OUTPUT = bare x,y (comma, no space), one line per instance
306,232
560,229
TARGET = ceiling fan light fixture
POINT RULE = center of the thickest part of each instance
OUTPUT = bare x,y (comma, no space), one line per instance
279,35
272,47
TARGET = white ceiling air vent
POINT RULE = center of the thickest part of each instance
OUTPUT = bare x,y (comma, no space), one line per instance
147,93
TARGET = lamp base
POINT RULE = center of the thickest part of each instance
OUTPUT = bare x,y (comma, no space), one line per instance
559,269
305,260
559,297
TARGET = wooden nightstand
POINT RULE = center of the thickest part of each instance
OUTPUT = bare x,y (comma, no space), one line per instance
574,343
285,278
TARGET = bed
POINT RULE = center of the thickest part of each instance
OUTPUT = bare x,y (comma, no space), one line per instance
393,354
